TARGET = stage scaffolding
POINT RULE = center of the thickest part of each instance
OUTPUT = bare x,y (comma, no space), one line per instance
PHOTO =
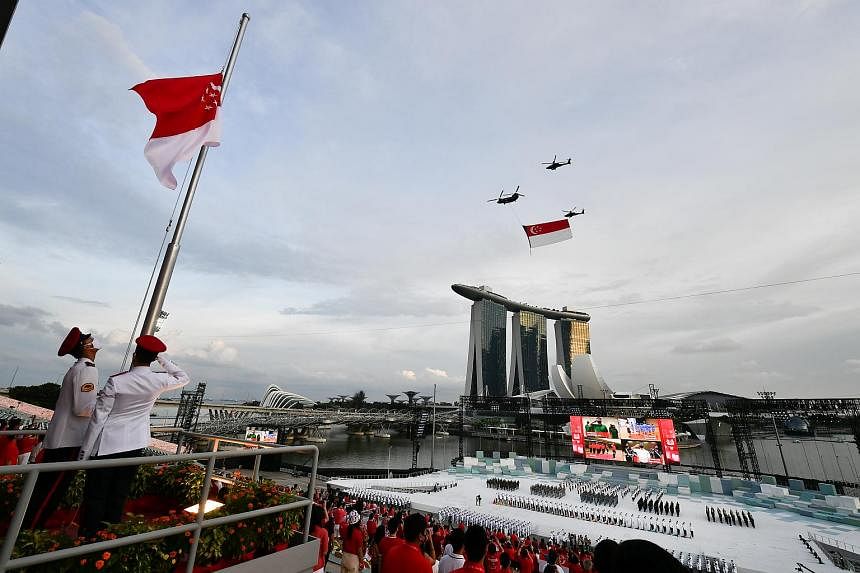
770,417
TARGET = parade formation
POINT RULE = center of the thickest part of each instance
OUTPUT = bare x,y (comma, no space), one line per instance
455,515
730,516
598,515
548,490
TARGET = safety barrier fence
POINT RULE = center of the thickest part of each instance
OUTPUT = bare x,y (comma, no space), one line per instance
207,459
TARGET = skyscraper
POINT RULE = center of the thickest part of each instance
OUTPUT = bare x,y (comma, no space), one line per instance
572,339
572,374
485,371
529,363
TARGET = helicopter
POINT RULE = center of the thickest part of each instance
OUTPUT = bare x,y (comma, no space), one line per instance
503,199
573,213
554,164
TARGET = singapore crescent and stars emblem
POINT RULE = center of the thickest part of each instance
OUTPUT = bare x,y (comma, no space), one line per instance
534,229
211,97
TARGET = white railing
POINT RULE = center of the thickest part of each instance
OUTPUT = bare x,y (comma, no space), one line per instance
32,472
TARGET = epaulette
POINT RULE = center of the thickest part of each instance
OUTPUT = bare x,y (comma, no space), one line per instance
90,364
118,373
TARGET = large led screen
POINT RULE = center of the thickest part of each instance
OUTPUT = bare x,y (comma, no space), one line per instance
642,441
265,435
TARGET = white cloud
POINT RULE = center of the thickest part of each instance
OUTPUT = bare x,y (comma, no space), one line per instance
216,352
853,365
436,372
340,197
717,345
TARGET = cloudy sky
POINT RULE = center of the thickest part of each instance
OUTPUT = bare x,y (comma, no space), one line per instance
715,146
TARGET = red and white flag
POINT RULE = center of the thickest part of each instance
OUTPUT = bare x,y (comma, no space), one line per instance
187,114
544,234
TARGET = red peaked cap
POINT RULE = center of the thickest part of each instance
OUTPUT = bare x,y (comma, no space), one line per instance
73,338
150,343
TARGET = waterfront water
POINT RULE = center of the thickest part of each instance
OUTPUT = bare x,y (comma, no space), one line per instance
809,458
835,459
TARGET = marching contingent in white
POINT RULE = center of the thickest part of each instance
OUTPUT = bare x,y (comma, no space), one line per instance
704,562
388,498
455,515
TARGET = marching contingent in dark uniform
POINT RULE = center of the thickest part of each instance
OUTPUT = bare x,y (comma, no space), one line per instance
599,515
548,490
742,518
599,493
659,507
503,484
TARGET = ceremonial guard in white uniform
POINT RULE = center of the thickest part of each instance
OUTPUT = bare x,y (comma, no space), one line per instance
119,428
69,423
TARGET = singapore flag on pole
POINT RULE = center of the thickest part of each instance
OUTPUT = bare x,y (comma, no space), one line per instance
187,114
544,234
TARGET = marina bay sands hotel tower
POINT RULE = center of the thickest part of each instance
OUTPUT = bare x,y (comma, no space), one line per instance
573,376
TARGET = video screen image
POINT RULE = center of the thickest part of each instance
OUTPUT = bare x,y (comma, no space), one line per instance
642,441
265,435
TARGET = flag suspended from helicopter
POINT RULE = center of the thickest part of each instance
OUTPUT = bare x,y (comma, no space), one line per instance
543,234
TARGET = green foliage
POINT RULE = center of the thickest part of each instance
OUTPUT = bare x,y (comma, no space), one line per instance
261,533
31,542
75,493
44,395
183,483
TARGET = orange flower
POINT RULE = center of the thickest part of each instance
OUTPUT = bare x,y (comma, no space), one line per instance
100,564
106,555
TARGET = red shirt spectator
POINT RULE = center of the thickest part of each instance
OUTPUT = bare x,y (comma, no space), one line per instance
526,565
470,567
26,443
405,557
491,561
352,543
8,452
321,534
389,543
438,537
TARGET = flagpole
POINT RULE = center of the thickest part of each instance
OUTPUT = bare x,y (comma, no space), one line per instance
159,292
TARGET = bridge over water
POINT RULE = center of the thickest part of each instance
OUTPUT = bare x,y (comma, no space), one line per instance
226,419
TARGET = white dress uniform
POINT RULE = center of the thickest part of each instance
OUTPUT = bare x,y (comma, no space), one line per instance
74,406
120,422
